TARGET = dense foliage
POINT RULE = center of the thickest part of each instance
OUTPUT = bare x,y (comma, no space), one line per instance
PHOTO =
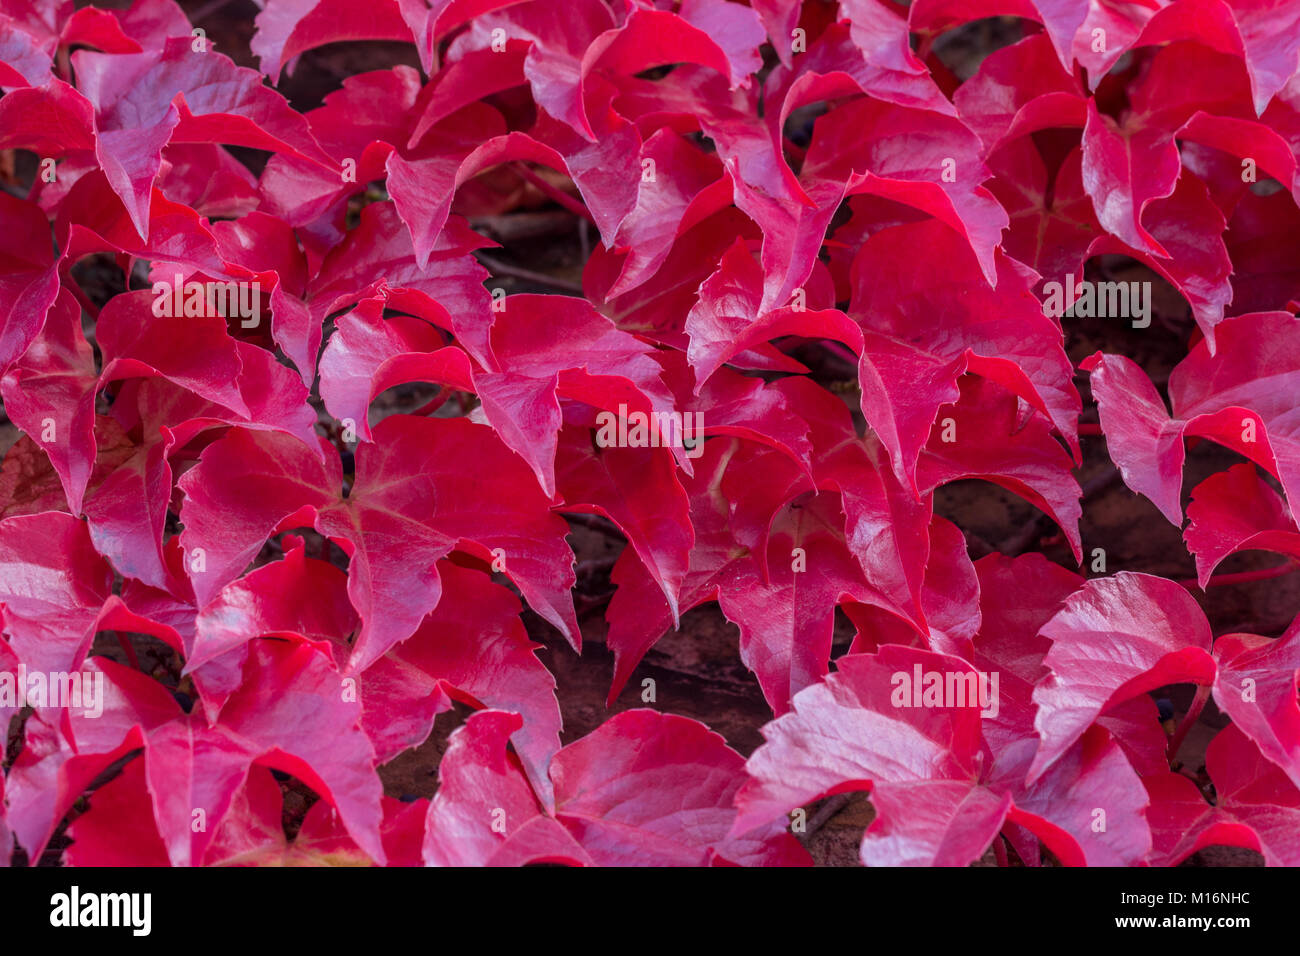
199,465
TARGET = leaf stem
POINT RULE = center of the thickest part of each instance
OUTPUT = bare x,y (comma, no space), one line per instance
843,351
1000,851
435,403
81,297
128,650
575,206
1189,720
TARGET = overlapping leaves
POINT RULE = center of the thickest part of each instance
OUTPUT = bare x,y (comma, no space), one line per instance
762,176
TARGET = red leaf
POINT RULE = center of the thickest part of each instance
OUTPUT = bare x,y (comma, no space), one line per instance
471,648
1236,511
1125,168
45,395
145,100
1115,638
118,829
287,28
910,365
643,788
29,280
368,354
1261,241
53,597
395,530
921,763
1232,397
297,597
1019,90
778,567
290,712
983,436
1257,807
1264,34
638,489
867,51
1190,228
267,248
1256,687
549,347
206,177
377,256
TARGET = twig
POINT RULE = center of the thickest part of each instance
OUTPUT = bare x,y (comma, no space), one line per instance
827,810
528,275
526,225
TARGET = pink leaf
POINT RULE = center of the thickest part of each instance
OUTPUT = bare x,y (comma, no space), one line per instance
1115,638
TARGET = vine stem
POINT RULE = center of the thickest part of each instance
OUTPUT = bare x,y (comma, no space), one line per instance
1244,577
497,267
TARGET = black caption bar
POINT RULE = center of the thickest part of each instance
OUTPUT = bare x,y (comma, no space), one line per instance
219,906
